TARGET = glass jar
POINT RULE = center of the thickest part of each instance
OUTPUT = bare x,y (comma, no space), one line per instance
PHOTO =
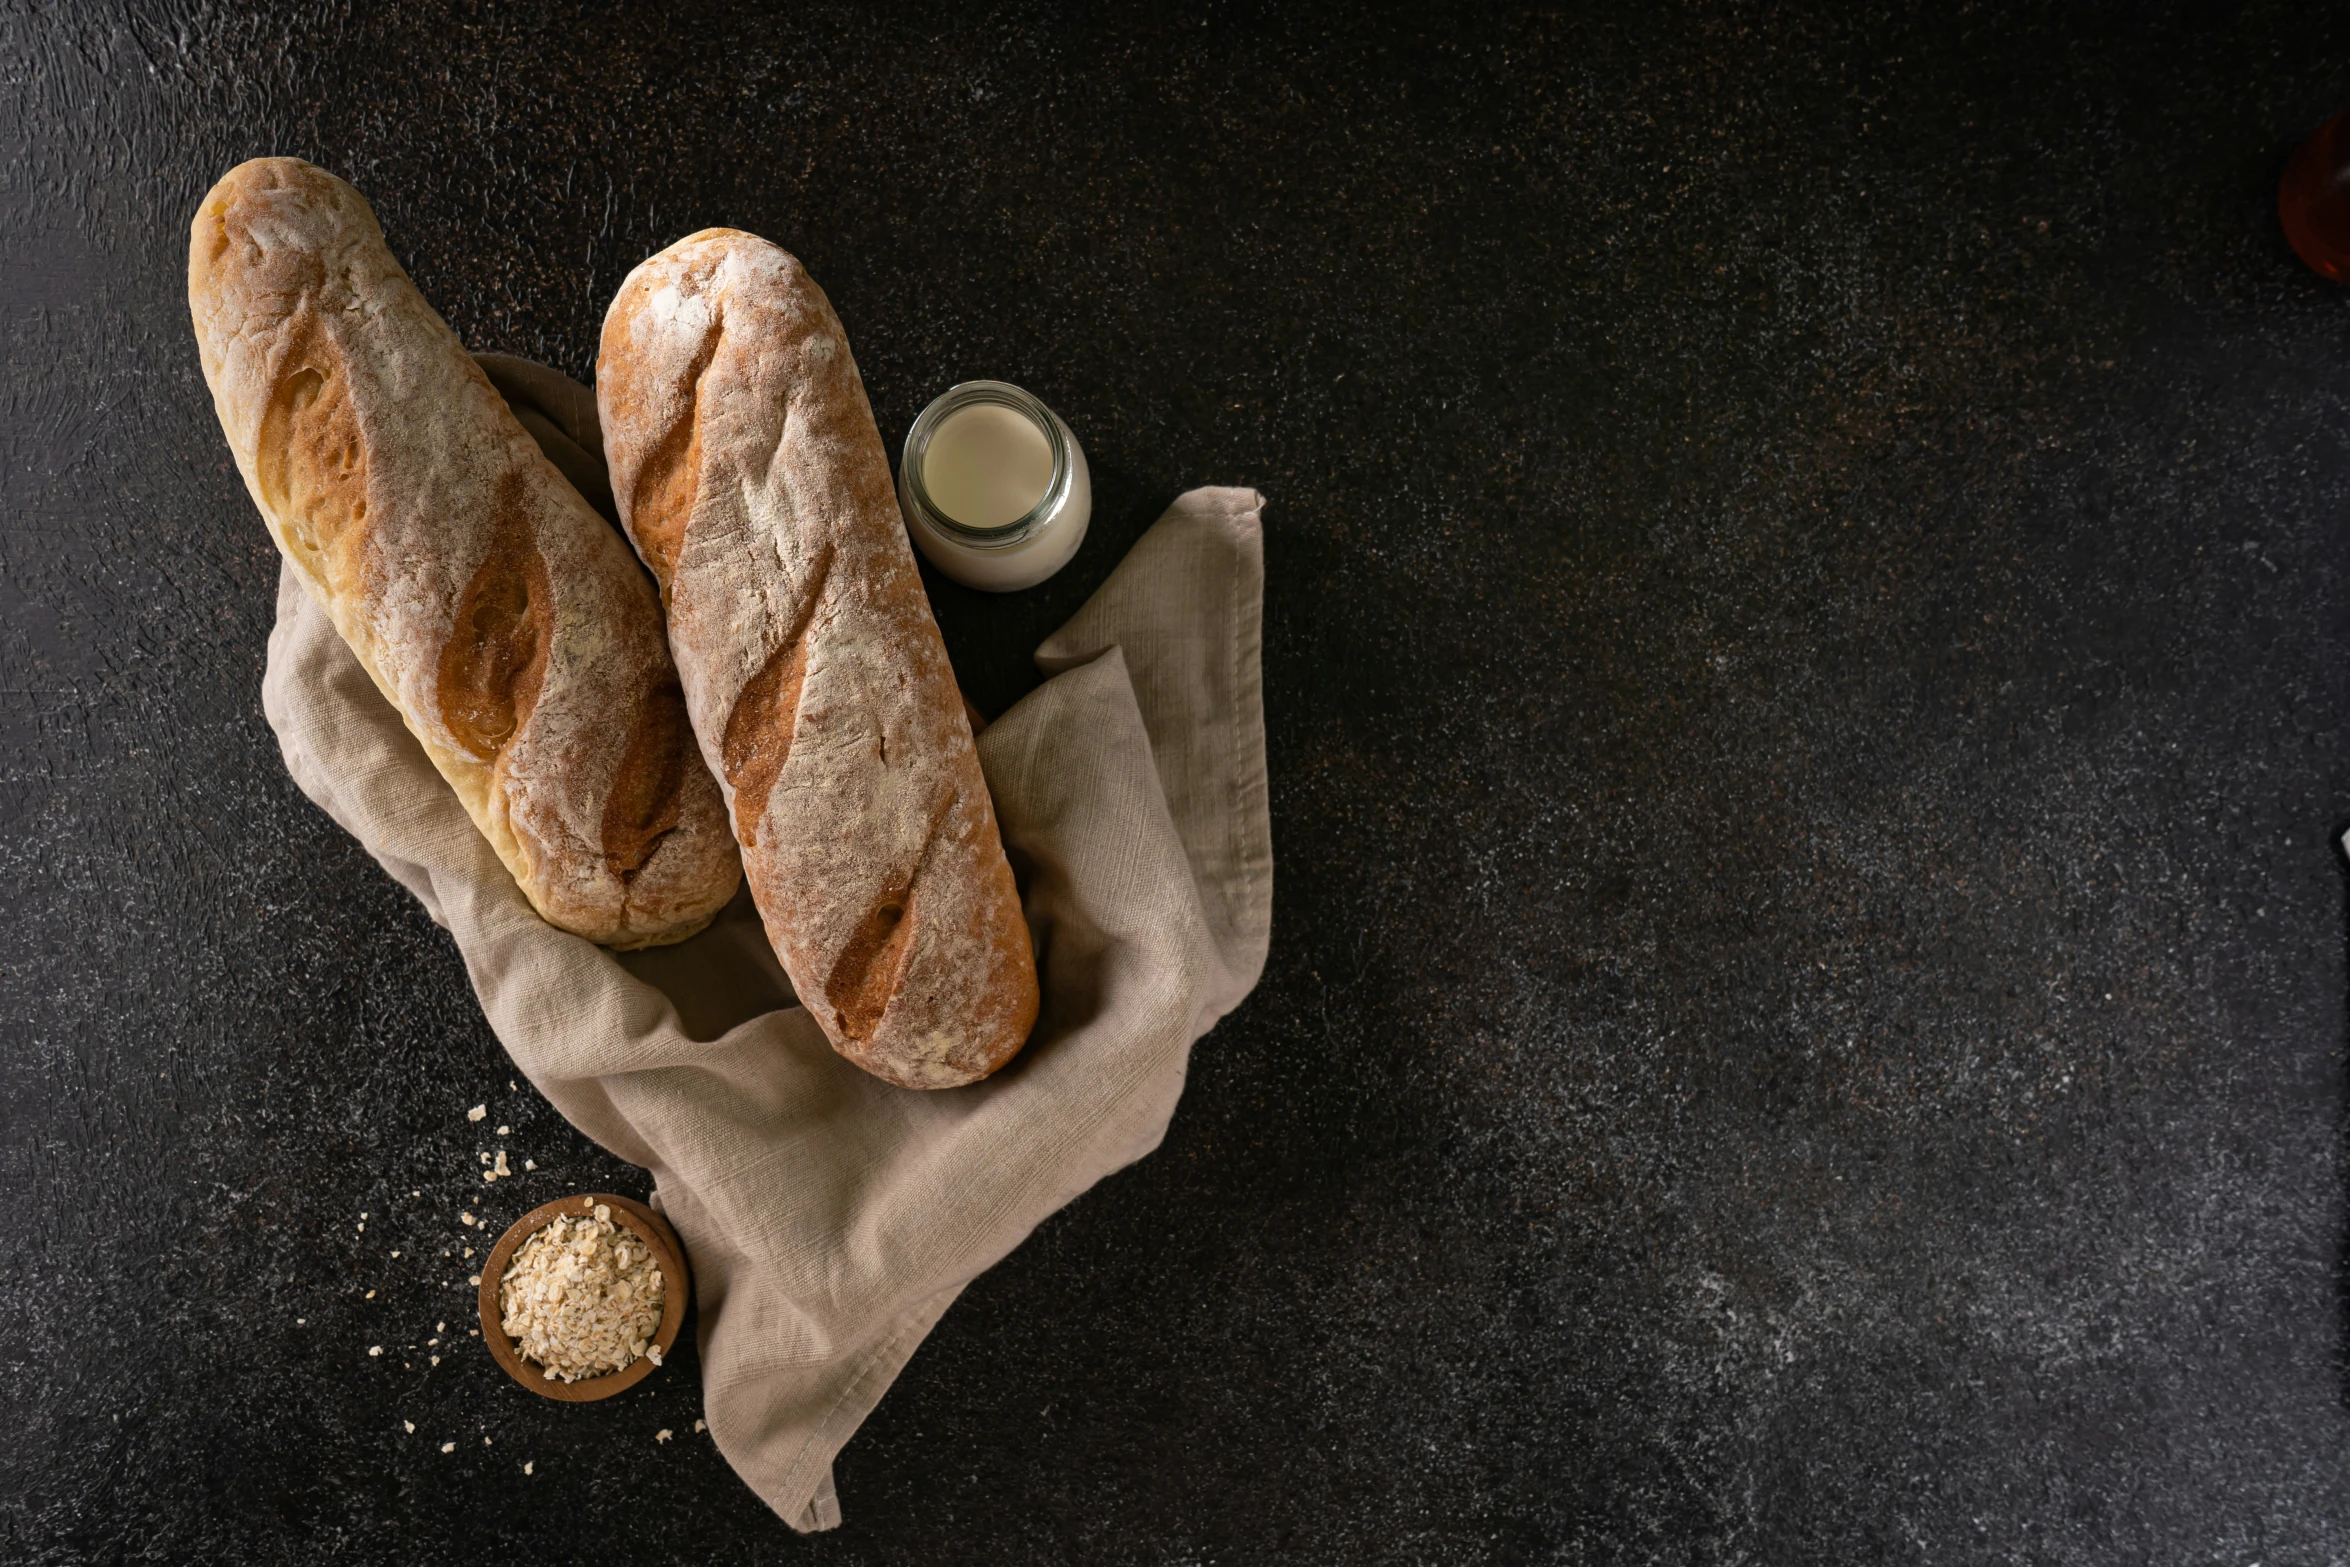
994,487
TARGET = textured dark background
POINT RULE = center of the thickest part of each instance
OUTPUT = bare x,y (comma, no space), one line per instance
1805,666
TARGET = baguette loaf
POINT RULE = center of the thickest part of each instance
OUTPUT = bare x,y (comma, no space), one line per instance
750,476
491,605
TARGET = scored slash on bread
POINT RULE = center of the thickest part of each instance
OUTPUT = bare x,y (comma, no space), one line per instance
752,480
485,598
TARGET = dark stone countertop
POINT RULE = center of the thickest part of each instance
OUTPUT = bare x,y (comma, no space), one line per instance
1805,663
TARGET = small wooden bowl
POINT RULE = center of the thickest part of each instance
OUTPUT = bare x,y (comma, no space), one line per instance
638,1220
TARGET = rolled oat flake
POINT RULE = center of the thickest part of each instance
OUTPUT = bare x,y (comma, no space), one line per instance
582,1297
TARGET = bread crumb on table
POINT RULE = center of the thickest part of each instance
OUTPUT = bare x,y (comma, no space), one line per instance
582,1298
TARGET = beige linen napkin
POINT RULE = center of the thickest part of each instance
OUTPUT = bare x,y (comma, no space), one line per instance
830,1218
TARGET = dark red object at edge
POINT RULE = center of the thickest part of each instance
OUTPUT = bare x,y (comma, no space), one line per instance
2313,202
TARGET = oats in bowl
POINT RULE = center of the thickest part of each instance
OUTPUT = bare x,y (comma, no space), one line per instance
582,1297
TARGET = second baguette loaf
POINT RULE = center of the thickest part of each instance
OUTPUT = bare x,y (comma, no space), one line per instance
750,476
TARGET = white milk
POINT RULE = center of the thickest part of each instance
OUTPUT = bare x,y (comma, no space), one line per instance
988,465
994,487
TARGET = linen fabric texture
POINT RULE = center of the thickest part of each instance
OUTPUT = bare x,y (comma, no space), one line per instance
829,1218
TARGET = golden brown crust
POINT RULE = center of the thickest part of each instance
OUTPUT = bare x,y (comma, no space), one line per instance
751,477
489,603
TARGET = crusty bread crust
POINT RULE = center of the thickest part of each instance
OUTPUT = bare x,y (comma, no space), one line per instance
490,604
750,475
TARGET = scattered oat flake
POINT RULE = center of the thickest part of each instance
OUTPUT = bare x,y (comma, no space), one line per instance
475,1280
411,1425
663,1435
448,1447
395,1254
440,1327
370,1295
505,1131
699,1426
301,1322
477,1112
468,1220
468,1251
530,1164
501,1164
510,1086
374,1350
526,1468
436,1360
485,1441
653,1353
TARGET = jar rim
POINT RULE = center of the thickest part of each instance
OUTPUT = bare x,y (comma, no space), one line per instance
913,460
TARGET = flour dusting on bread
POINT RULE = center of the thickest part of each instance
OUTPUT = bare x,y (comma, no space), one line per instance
487,600
754,484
